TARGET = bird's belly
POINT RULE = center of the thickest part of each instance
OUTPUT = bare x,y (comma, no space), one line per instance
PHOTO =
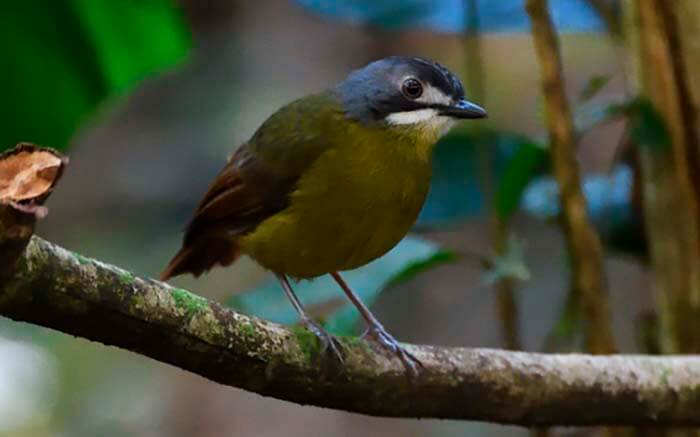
297,245
341,224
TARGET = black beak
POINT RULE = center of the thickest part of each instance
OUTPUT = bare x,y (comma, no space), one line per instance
463,109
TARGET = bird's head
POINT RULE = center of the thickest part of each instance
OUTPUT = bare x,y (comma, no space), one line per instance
409,93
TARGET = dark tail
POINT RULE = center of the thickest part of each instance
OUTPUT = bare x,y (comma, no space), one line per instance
201,256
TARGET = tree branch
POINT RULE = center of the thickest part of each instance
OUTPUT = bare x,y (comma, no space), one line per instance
58,289
583,243
670,175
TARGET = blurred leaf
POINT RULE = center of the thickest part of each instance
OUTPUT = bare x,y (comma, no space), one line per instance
541,198
509,265
412,270
61,59
609,202
527,163
455,192
647,126
603,193
409,257
594,85
133,39
628,236
449,15
589,115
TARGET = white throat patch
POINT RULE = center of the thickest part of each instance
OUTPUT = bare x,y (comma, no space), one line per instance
412,117
427,120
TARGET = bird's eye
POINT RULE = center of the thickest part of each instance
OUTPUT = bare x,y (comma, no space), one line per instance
412,88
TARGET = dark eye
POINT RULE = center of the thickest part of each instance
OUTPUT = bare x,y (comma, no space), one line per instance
412,89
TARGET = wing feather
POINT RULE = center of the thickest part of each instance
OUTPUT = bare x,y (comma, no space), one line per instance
241,197
255,183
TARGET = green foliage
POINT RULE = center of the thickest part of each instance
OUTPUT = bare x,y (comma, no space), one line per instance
62,58
414,269
456,192
411,256
593,86
646,125
508,265
610,202
527,163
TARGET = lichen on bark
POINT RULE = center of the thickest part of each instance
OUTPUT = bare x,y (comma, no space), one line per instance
80,296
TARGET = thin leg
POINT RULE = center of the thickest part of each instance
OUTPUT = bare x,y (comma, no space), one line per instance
375,329
328,342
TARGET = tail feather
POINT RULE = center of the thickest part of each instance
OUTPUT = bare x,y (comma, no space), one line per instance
200,256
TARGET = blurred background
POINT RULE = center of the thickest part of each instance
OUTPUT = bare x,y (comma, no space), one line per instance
149,97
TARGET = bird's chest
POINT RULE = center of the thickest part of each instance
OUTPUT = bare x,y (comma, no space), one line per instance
351,207
378,187
378,184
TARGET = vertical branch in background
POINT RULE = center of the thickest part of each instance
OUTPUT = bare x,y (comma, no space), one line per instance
671,174
507,306
607,12
583,243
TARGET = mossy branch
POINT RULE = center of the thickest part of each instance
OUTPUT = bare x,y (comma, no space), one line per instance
58,289
49,286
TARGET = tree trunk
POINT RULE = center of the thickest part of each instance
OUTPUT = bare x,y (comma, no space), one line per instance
667,35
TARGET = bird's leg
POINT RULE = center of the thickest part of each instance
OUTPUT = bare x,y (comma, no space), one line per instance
375,329
328,342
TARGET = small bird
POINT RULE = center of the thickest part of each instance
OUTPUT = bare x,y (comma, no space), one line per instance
330,182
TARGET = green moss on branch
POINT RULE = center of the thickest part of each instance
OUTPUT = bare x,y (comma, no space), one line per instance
54,288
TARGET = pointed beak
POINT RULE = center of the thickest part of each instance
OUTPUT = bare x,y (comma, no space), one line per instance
463,109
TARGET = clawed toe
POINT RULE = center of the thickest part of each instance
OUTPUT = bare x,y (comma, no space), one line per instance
329,344
379,334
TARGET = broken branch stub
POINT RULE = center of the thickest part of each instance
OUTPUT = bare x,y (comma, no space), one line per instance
28,174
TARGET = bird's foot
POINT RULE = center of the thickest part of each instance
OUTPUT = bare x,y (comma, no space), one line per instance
329,344
381,336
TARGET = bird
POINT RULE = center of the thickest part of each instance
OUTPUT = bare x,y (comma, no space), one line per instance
330,182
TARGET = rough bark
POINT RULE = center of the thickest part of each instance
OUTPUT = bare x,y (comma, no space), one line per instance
49,286
62,290
583,243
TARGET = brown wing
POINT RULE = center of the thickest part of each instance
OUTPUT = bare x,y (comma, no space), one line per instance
242,195
248,190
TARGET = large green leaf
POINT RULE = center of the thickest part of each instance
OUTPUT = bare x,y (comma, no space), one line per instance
456,189
62,58
527,163
132,38
407,259
646,125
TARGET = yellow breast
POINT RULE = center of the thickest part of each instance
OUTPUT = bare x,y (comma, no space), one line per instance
356,202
